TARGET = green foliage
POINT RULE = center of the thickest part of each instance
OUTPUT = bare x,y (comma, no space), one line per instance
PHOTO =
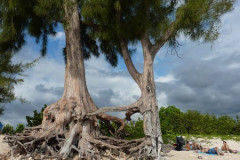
128,20
134,129
103,128
7,77
169,138
201,19
228,125
8,129
171,119
175,122
38,19
8,73
36,119
193,122
19,128
17,18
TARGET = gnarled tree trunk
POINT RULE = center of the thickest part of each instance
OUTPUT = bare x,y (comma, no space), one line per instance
149,109
66,117
147,103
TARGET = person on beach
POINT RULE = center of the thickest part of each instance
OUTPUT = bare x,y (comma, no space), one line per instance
225,147
196,146
189,145
192,146
214,150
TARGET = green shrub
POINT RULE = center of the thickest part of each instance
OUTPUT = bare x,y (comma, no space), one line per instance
134,129
36,119
8,129
20,128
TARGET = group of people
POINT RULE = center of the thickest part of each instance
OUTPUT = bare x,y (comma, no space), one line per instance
214,150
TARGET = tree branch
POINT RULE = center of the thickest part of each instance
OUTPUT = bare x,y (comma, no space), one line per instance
146,44
119,121
130,112
115,109
130,144
129,64
131,109
155,48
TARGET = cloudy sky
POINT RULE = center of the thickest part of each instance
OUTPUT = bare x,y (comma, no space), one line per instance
205,77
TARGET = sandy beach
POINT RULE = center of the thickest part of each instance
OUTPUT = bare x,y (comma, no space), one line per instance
4,148
208,143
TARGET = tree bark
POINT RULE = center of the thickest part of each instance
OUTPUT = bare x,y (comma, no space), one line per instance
150,107
147,105
67,115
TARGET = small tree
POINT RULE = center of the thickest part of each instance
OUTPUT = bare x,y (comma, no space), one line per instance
36,119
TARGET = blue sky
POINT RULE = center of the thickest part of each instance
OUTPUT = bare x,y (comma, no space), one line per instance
205,78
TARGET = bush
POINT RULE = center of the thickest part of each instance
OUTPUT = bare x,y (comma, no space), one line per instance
36,119
8,129
20,128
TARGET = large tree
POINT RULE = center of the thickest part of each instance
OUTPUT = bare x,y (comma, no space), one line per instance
66,128
121,24
70,125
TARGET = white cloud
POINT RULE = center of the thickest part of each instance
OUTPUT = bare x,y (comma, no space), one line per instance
59,36
162,99
101,76
165,79
234,66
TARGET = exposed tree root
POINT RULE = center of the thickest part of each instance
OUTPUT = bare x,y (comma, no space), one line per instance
60,148
68,131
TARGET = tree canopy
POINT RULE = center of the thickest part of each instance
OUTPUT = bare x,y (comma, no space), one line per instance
161,20
39,20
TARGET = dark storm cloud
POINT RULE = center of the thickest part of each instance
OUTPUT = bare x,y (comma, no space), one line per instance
103,98
52,90
206,77
211,86
16,112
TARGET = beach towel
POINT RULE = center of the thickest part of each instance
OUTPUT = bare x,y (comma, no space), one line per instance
199,152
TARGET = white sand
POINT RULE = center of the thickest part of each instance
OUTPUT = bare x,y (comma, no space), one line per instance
4,148
191,155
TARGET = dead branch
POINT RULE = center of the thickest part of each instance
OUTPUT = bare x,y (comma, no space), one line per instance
116,109
130,112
